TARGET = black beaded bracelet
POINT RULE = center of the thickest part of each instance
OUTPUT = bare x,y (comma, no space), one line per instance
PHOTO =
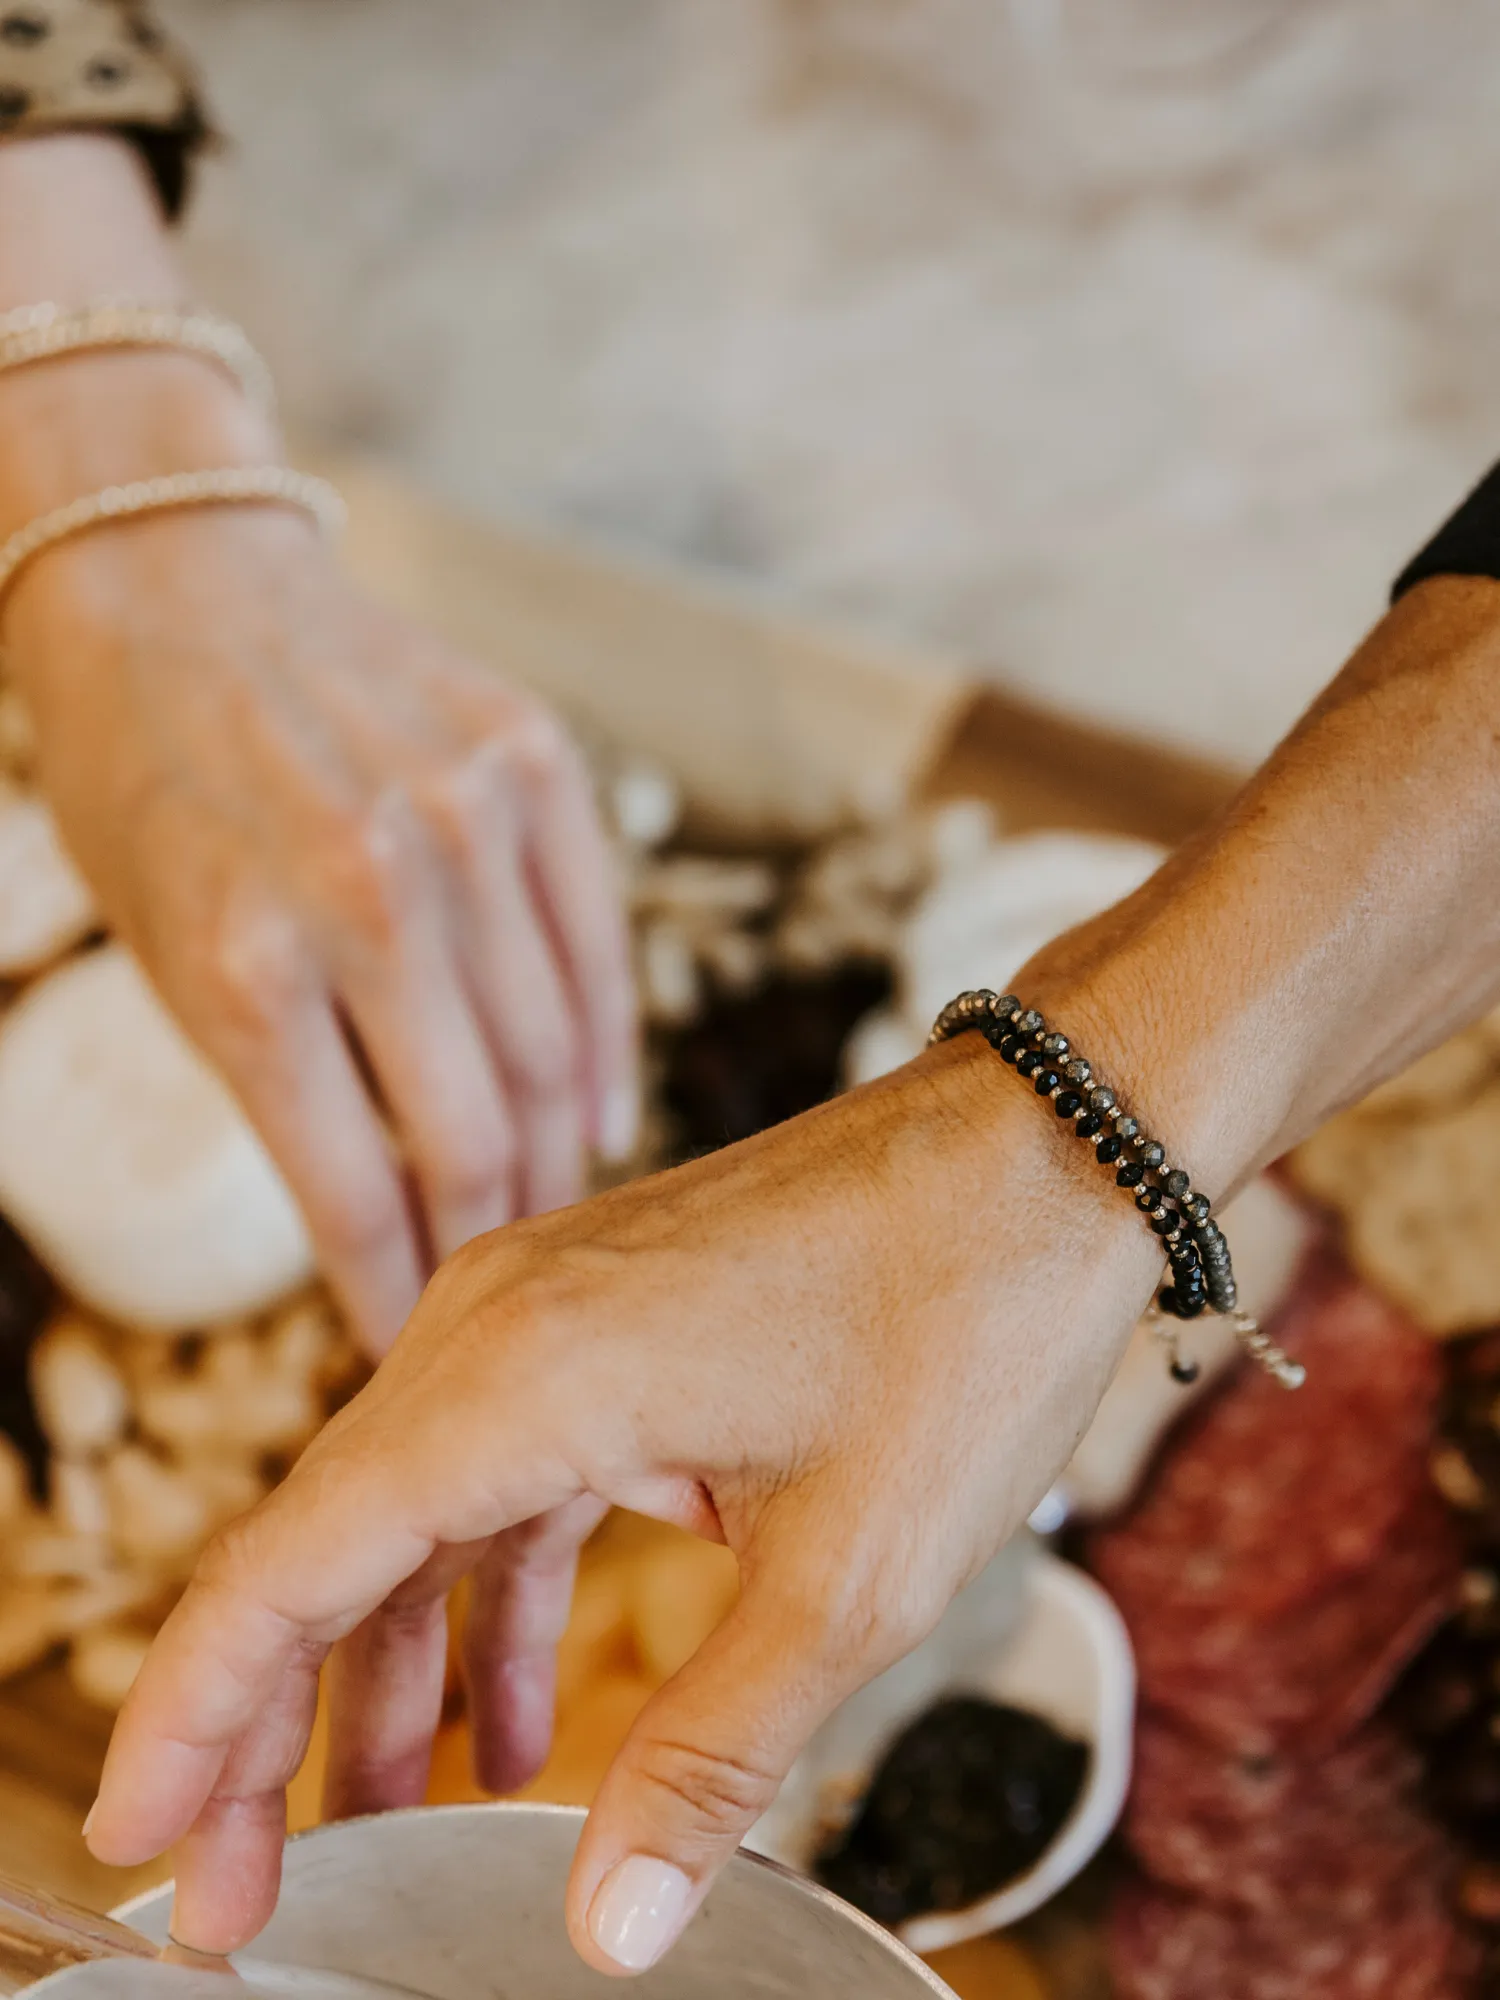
1202,1272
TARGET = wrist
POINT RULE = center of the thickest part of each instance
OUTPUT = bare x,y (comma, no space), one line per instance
81,422
80,221
1176,1040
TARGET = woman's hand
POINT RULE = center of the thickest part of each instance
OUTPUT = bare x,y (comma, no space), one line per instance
364,872
857,1348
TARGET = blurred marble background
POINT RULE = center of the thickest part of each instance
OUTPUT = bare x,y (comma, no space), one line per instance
1126,347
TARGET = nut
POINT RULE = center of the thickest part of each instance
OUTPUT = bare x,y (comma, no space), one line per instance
688,886
79,1504
670,990
156,1515
29,1625
303,1338
15,1486
80,1394
103,1663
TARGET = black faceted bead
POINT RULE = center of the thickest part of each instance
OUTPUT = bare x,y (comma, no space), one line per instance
1196,1206
1130,1175
1055,1045
1152,1155
1167,1300
1067,1102
996,1033
1028,1062
1089,1125
1146,1200
1163,1224
1011,1047
1191,1306
1045,1082
1107,1151
1177,1184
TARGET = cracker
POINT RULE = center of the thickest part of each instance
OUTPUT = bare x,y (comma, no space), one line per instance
1425,1227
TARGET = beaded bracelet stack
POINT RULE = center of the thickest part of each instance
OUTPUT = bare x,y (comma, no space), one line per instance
1202,1273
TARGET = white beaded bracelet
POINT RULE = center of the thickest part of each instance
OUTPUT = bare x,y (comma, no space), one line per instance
226,486
40,332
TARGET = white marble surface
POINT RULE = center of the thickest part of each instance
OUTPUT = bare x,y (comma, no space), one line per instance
1128,346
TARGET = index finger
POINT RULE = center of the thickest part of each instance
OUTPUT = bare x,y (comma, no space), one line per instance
363,1510
582,901
297,1573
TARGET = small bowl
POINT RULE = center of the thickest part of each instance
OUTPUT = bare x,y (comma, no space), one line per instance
1032,1631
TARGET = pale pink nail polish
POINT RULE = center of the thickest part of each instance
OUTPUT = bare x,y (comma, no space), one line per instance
88,1818
638,1910
619,1121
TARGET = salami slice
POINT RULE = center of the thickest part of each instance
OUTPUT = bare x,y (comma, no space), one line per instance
1166,1947
1306,1679
1271,1835
1269,1499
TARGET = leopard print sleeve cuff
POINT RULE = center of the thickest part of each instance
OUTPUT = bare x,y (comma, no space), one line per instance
83,64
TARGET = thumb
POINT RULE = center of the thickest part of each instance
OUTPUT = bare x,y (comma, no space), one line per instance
703,1762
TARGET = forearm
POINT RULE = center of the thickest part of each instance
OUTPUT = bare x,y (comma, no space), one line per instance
79,222
1339,919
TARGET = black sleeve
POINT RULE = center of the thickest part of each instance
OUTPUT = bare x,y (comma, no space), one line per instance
1467,544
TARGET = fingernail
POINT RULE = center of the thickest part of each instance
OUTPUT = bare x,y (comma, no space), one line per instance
88,1818
638,1910
619,1119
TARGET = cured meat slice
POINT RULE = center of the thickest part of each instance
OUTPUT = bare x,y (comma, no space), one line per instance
1269,1835
1167,1947
1269,1499
1305,1680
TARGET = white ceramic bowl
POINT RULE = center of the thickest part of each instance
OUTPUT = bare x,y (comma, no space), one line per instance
1033,1631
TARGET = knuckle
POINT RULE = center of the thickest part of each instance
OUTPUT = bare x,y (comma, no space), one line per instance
248,970
549,1064
457,801
539,745
722,1793
226,1566
364,865
409,1615
472,1166
355,1224
865,1619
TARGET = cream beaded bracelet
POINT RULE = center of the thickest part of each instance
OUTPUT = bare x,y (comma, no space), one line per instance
40,332
226,486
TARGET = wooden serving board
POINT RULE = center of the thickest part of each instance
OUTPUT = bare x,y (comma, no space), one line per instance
837,707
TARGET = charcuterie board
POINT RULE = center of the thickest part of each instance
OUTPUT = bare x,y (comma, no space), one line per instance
922,728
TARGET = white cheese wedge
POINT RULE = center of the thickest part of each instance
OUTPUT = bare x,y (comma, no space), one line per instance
45,904
128,1164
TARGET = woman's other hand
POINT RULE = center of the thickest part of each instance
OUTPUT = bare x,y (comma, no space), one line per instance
365,873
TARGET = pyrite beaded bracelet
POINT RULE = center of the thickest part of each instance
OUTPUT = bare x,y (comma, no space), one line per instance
1195,1246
